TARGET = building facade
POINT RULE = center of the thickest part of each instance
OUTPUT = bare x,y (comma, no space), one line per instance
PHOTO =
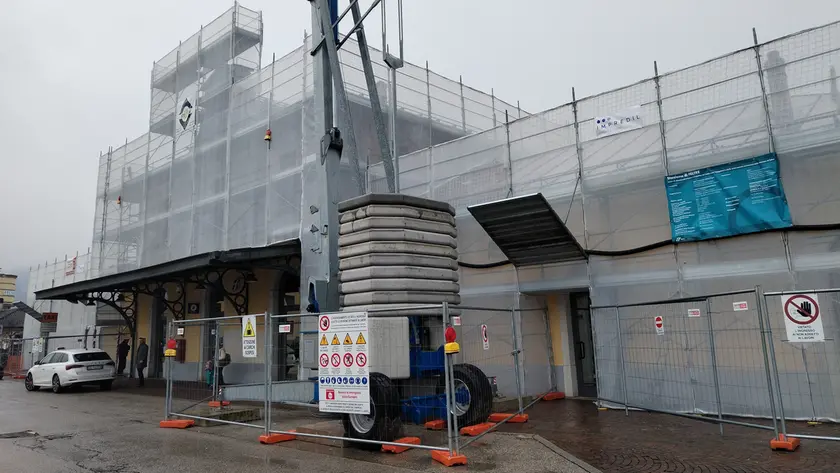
181,209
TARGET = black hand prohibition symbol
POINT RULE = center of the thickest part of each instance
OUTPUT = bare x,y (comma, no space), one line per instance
805,309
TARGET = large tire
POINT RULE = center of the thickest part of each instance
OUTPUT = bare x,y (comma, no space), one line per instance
384,422
473,394
29,383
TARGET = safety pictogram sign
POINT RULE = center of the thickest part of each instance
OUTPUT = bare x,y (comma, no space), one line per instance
660,326
249,336
802,318
343,369
484,337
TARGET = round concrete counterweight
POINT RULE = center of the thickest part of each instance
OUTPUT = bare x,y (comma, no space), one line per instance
396,259
386,285
398,223
397,211
392,272
398,297
411,236
397,247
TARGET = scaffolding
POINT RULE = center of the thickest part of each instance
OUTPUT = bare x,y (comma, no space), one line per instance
203,179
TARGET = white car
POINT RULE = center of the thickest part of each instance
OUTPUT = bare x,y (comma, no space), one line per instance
64,368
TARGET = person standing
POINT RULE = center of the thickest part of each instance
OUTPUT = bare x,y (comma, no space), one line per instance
142,361
122,355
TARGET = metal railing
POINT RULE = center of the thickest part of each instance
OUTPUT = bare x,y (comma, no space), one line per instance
385,379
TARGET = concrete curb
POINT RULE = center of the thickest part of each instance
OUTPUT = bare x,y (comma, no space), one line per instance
559,451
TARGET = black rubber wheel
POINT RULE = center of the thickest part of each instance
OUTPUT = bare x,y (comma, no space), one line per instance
473,394
56,384
384,422
105,385
29,384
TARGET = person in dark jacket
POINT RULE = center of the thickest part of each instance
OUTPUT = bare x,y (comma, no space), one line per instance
142,361
122,355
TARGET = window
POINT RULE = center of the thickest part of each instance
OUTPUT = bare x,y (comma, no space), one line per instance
60,358
93,356
47,359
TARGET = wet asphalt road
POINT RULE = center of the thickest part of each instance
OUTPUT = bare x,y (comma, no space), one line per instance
89,431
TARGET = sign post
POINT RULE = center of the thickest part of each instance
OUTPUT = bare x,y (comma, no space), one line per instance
249,336
343,365
484,337
802,318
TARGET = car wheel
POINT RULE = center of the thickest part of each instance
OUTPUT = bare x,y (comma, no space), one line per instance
105,385
56,384
29,383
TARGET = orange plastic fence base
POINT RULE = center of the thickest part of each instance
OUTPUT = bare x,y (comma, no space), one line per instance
276,438
435,425
554,396
445,459
398,449
18,376
789,444
516,419
477,429
218,403
176,424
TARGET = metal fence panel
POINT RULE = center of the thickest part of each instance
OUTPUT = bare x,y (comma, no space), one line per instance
809,373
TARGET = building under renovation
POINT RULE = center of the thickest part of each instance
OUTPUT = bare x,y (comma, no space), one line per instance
202,213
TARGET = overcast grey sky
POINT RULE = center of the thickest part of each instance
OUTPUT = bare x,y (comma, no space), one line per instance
75,75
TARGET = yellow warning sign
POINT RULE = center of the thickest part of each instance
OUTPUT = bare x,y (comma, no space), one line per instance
324,340
249,330
169,352
335,340
360,340
347,339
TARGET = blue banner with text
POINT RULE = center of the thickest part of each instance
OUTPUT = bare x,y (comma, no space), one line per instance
726,200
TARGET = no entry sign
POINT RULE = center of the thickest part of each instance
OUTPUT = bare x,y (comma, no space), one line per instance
802,318
660,327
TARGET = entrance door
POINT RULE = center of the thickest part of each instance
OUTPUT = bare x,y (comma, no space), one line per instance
583,346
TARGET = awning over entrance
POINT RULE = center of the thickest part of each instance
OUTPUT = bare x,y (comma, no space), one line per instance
229,272
528,231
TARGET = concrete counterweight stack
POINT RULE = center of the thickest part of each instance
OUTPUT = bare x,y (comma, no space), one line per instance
397,250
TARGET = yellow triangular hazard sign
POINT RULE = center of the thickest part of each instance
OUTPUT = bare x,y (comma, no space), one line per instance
335,340
360,340
347,339
324,340
249,330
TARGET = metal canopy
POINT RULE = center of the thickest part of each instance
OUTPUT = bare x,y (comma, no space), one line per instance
528,231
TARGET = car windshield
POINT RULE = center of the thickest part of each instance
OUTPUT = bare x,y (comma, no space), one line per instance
93,356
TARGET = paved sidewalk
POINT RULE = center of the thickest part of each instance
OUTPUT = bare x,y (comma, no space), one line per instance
645,442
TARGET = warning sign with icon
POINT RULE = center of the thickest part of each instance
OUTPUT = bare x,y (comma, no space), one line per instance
343,363
249,336
803,322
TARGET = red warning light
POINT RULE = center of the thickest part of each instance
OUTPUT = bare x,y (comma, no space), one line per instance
450,334
170,344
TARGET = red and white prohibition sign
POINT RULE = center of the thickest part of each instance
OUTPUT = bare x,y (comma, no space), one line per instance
802,318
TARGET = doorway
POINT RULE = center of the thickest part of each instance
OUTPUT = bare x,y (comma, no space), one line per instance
583,347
